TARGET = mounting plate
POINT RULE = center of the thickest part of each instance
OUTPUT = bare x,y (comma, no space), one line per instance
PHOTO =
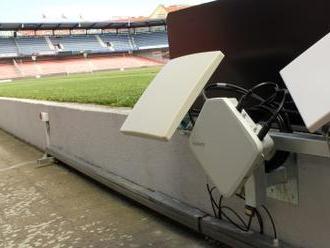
283,183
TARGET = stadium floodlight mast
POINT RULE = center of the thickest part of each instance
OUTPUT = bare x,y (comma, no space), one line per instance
224,140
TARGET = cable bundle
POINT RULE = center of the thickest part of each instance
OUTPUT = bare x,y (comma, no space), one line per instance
220,212
269,105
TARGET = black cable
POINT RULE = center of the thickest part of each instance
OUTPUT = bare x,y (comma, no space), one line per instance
236,214
243,91
232,88
213,203
280,157
250,221
258,215
213,200
244,99
223,86
326,134
271,99
220,207
260,221
271,220
240,196
191,117
235,224
266,127
243,226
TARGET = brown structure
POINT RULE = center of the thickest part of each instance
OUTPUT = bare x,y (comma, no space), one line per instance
258,38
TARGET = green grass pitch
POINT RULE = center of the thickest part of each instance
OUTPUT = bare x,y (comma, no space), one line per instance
112,88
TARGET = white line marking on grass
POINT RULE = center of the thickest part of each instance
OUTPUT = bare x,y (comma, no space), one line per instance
6,81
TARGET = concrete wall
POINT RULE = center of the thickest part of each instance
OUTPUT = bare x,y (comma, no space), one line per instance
91,133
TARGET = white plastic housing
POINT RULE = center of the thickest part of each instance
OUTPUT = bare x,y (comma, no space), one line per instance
308,80
44,117
226,145
167,100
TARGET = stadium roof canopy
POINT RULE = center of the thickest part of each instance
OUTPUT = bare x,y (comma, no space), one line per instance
79,25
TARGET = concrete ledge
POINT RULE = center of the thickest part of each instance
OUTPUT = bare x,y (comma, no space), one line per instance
90,134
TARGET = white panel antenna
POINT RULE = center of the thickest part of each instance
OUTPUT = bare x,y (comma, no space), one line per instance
308,80
226,144
169,97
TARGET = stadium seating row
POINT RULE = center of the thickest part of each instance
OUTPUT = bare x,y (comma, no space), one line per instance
104,43
23,69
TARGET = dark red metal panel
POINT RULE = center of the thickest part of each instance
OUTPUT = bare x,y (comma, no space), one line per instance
258,37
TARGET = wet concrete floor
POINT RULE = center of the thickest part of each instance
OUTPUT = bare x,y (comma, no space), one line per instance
55,206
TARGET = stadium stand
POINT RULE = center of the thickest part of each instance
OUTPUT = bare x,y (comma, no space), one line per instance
78,43
118,42
33,46
69,66
8,47
150,40
38,49
27,46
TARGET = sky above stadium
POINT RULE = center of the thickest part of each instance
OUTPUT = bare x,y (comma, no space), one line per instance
77,10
